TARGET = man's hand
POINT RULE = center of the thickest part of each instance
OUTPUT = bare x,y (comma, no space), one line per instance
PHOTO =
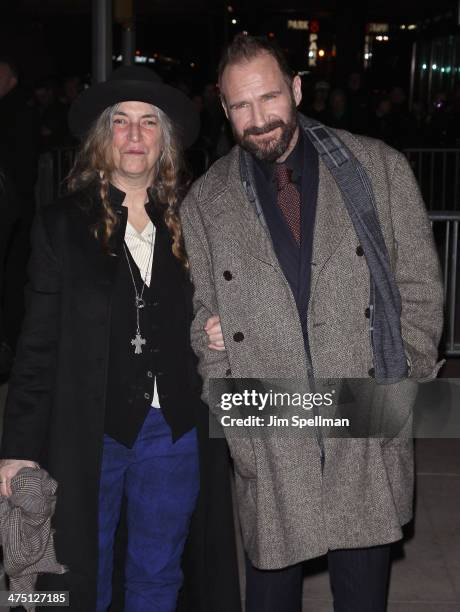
214,331
8,469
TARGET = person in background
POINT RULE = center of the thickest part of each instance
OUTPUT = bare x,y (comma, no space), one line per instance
318,109
19,151
381,123
338,115
358,103
440,123
419,117
404,123
71,89
19,144
53,115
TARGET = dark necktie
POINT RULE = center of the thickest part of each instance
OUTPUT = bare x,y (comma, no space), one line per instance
288,199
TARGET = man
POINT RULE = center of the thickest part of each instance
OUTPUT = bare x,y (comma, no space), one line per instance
314,249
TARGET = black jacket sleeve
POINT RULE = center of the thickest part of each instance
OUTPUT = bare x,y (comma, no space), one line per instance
33,376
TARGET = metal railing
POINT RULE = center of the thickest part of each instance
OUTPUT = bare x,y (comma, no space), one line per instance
445,227
53,167
438,174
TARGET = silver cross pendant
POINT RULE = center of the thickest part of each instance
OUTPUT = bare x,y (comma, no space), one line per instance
138,342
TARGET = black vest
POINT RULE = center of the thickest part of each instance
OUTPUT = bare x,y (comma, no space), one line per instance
167,354
131,375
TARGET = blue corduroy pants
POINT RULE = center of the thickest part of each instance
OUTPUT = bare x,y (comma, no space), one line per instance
160,481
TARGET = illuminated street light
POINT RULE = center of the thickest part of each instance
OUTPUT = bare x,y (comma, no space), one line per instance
424,66
234,21
321,53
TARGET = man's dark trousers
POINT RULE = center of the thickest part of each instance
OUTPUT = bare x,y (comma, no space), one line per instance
359,581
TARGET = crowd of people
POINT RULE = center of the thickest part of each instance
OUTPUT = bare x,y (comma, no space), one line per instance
386,115
355,107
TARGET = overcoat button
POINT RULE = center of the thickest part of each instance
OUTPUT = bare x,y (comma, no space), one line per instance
371,372
228,275
150,374
359,250
147,396
238,337
367,313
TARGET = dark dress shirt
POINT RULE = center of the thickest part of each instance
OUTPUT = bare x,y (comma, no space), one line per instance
294,261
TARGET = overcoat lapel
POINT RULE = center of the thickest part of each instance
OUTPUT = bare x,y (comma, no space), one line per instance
240,220
238,215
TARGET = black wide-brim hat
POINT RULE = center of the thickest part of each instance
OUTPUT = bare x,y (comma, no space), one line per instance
135,84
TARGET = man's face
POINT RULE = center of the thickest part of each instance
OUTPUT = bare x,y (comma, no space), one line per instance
136,142
261,107
7,80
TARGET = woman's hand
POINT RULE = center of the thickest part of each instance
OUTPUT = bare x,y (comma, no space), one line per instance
214,331
8,469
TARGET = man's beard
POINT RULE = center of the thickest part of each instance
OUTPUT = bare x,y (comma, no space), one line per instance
275,147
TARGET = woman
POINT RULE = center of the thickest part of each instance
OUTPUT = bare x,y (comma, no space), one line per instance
104,391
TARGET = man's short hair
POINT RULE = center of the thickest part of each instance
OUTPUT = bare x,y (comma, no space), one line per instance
244,48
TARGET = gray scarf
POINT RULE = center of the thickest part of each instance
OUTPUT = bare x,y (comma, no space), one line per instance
390,362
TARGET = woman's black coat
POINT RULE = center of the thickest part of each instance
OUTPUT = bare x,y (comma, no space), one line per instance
56,403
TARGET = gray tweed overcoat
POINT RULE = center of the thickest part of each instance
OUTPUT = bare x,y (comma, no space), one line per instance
290,509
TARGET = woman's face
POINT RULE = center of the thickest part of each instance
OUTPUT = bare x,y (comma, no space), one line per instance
136,142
